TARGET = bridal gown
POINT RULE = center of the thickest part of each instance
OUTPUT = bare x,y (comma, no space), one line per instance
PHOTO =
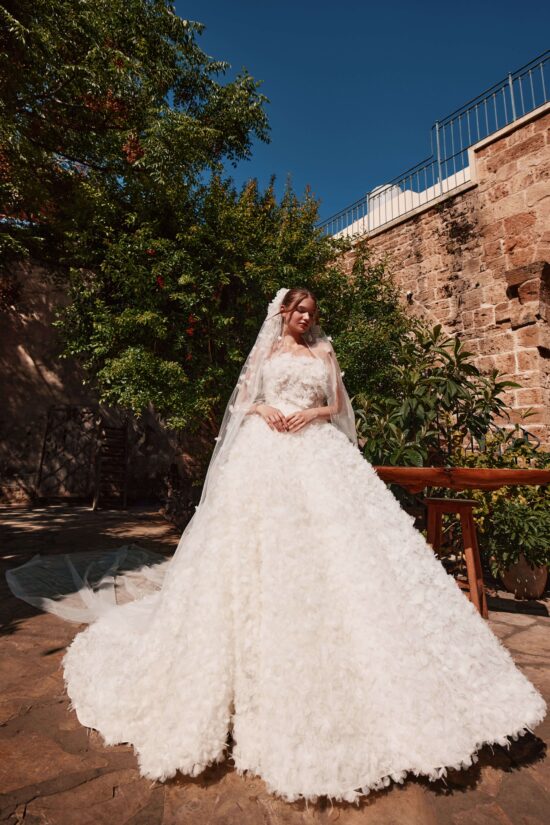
311,619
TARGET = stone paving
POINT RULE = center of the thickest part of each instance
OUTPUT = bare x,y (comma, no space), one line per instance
55,772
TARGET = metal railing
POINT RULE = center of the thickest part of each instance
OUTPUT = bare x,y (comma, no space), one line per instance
447,168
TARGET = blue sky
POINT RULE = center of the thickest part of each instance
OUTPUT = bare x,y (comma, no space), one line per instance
355,87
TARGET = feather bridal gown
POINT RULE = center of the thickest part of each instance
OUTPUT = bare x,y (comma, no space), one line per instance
309,617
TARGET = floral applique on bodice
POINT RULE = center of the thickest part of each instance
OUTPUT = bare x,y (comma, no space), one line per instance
299,381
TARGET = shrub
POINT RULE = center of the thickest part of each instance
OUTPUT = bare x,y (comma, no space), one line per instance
439,398
514,518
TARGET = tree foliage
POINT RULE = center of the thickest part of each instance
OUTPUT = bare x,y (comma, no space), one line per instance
362,311
110,114
168,320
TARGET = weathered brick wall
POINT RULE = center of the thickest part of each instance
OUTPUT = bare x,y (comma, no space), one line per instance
479,262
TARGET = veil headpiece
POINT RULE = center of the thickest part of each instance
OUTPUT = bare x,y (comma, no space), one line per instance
248,388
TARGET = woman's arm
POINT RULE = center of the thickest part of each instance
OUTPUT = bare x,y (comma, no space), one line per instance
296,420
324,413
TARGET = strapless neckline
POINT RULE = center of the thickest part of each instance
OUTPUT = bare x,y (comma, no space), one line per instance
296,357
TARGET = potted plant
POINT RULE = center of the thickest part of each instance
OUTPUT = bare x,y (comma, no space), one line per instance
513,522
518,545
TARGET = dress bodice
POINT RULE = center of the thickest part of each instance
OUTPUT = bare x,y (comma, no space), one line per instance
296,381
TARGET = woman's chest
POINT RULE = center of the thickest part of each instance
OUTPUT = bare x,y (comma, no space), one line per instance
301,378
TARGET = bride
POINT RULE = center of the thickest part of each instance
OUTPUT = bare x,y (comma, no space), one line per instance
302,610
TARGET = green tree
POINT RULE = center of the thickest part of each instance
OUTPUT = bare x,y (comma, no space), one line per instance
167,319
110,113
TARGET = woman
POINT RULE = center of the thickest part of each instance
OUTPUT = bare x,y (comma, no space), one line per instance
302,610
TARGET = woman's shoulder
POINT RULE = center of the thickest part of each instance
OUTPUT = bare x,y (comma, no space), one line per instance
322,348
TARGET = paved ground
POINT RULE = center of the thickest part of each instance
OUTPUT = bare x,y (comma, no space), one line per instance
54,772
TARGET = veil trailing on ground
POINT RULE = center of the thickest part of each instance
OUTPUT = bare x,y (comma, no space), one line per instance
81,587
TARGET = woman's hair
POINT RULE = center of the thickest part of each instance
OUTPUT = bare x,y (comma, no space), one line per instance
294,296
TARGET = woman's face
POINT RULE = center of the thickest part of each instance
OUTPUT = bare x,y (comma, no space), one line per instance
301,317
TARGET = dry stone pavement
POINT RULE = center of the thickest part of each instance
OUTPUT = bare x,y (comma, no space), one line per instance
55,772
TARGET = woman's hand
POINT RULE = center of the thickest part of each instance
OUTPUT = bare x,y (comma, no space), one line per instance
296,420
273,416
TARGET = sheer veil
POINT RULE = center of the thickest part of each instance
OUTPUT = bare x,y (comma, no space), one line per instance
82,587
247,390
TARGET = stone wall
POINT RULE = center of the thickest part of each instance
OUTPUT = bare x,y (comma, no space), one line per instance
34,378
479,262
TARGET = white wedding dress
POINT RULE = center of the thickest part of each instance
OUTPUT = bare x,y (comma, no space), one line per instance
308,616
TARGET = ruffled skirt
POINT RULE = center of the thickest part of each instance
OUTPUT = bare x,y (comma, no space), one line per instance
307,615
